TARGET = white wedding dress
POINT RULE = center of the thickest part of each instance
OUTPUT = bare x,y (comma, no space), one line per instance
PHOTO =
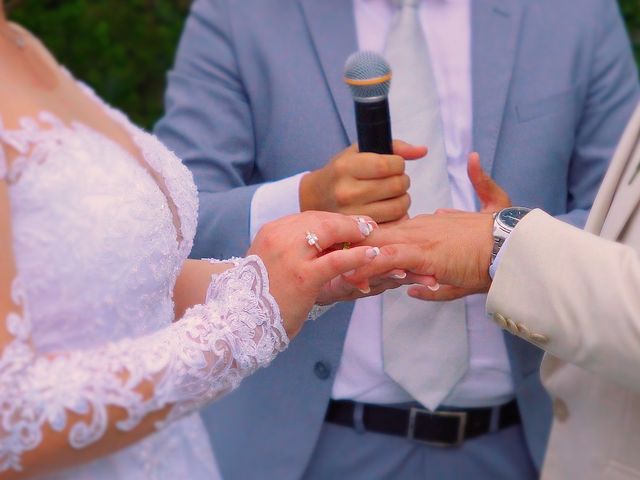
99,239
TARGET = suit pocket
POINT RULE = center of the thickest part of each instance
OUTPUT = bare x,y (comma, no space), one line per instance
619,471
550,105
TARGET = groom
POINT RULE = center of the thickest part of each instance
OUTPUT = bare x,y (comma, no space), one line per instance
542,89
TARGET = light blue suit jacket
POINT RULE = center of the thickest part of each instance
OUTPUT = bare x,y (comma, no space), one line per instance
257,95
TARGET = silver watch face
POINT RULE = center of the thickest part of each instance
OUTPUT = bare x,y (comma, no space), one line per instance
511,216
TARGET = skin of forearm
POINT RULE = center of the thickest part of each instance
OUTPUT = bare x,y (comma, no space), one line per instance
193,282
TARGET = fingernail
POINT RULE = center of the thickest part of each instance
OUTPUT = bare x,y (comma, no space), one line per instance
364,227
434,288
365,290
399,276
349,273
372,252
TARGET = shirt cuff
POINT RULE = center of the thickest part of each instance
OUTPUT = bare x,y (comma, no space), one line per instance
274,200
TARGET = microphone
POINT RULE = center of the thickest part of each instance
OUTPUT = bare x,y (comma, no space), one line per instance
369,78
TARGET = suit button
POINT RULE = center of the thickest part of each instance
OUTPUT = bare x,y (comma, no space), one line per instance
523,330
539,338
322,370
500,320
511,326
560,410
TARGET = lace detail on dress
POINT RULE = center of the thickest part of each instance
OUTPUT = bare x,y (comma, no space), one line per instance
193,361
184,195
33,142
94,215
3,160
317,311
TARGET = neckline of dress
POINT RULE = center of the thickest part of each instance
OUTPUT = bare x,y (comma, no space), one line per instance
37,123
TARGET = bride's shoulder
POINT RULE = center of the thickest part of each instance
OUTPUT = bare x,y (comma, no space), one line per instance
28,37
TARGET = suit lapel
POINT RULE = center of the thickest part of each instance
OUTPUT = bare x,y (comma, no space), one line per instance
614,183
494,31
625,200
331,25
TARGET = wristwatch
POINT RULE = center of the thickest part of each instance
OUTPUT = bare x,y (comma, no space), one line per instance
504,222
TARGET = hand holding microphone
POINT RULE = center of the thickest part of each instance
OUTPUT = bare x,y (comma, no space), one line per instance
368,180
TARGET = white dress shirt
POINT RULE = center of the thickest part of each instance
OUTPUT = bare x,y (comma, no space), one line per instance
360,377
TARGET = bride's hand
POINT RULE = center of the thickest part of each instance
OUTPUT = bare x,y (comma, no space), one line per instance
299,270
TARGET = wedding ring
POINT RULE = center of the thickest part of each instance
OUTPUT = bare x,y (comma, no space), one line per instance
312,239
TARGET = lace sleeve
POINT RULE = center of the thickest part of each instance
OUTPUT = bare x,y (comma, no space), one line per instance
3,164
4,169
317,311
191,362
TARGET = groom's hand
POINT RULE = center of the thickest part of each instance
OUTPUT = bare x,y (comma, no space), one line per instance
355,183
492,197
453,247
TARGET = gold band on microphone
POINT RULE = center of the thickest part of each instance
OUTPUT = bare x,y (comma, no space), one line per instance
368,81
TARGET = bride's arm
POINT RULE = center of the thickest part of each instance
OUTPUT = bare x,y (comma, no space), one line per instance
67,408
59,410
192,283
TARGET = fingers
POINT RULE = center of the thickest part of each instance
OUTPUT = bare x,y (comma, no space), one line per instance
368,183
492,196
474,169
396,233
443,294
482,183
371,165
367,166
406,257
385,210
394,223
331,228
363,192
353,148
399,277
408,151
428,281
340,290
339,262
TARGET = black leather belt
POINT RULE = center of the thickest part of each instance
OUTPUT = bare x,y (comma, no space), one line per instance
442,428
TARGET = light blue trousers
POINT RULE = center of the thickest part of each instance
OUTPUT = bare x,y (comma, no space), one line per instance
344,454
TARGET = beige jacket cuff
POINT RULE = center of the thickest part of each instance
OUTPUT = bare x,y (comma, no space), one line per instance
572,293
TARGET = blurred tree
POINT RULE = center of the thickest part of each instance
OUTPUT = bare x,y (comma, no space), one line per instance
124,48
121,48
631,12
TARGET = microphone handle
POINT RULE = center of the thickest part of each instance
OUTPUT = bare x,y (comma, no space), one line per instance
374,126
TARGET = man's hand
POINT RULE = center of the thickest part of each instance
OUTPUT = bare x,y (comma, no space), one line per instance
492,197
355,183
453,247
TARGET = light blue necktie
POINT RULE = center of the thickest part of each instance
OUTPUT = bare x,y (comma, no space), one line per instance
424,344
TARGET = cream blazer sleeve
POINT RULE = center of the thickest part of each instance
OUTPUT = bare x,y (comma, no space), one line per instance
573,294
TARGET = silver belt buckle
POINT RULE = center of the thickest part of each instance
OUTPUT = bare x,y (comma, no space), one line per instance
462,423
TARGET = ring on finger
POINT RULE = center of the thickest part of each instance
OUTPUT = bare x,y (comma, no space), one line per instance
312,239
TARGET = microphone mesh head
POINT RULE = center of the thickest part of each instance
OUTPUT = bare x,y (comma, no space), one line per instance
368,75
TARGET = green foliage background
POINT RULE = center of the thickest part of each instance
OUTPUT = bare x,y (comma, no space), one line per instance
123,48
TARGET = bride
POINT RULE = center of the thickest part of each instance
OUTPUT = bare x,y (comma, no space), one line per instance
110,340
